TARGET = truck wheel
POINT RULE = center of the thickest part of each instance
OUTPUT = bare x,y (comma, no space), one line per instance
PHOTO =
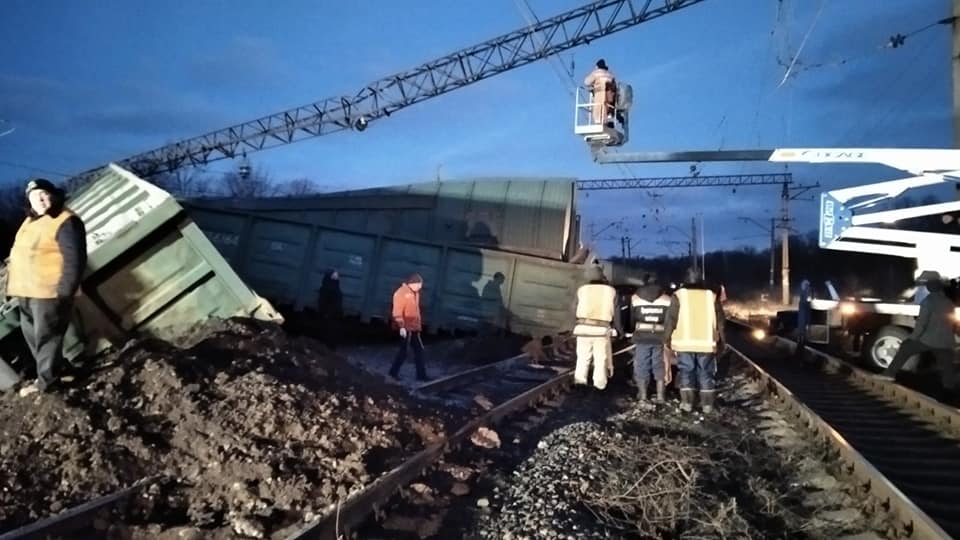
883,346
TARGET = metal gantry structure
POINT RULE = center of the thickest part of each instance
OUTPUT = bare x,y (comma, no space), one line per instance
661,182
385,96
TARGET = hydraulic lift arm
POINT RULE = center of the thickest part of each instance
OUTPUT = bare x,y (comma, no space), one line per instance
845,226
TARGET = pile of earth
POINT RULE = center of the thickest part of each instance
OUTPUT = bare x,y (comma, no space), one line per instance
247,432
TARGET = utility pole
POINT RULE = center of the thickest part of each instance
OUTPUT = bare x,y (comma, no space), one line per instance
773,256
694,250
785,244
772,230
785,198
623,247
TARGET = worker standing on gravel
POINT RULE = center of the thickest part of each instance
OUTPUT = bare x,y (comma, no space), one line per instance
47,262
934,333
406,317
649,311
694,330
598,320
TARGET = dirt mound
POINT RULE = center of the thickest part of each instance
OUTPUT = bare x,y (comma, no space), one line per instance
247,429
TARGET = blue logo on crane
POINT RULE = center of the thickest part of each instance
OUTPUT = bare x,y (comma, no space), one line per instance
834,219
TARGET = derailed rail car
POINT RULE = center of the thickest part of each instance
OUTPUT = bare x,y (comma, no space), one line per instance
150,271
467,288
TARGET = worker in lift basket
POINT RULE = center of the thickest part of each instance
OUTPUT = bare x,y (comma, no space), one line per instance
694,330
934,333
598,319
603,89
406,317
649,312
46,265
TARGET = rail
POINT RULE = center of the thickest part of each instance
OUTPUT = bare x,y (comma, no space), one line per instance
866,444
354,510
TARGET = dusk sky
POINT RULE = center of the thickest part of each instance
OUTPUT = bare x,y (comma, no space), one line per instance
83,83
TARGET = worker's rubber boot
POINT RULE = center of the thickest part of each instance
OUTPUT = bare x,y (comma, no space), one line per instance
686,399
661,392
707,398
643,391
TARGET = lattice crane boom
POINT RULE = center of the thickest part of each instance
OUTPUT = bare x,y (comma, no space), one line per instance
684,181
390,94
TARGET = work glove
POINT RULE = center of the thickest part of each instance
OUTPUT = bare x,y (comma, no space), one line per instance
403,333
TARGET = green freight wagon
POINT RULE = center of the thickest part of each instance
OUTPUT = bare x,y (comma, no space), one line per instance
150,271
529,216
467,287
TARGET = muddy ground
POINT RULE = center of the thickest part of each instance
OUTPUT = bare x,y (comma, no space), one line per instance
246,429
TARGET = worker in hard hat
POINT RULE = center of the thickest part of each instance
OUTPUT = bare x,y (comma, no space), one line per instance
603,90
47,262
649,312
598,320
694,330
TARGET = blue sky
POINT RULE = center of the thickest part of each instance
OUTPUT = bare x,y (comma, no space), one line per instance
84,83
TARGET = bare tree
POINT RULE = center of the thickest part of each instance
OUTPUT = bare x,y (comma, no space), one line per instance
184,183
248,184
299,187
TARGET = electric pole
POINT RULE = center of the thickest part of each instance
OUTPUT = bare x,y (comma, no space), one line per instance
785,198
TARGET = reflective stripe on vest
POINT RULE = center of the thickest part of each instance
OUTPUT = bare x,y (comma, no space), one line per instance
696,329
596,301
36,262
649,316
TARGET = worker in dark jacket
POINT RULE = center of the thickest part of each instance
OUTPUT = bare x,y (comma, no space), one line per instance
694,330
649,312
46,265
330,307
934,333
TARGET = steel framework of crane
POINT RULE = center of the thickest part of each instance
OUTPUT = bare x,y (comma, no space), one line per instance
390,94
685,181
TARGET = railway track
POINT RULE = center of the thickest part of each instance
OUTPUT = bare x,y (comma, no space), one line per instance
512,377
508,386
901,447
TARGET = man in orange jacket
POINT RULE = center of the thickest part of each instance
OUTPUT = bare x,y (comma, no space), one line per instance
406,316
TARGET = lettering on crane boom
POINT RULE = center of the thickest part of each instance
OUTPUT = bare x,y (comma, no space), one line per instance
823,154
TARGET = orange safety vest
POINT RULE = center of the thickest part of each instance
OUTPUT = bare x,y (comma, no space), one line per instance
36,262
696,329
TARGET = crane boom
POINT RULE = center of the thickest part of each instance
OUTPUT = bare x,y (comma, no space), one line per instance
685,181
390,94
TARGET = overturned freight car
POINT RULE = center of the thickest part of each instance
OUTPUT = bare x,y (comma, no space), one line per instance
492,254
150,272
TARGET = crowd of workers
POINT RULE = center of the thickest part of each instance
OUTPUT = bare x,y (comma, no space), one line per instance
685,323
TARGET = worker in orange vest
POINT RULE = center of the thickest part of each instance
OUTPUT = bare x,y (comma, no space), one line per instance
47,262
407,319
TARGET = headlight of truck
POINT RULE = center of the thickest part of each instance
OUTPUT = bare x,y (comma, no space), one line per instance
847,308
759,334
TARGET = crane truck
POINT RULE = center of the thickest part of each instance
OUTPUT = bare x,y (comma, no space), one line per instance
872,328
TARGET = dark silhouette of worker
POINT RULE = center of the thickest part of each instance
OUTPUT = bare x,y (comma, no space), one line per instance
933,333
330,308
